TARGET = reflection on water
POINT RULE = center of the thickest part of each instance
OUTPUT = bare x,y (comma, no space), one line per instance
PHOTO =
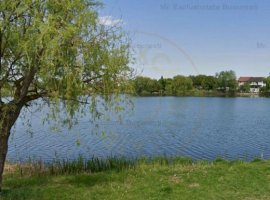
201,128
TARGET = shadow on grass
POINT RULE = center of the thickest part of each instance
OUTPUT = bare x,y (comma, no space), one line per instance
16,187
43,187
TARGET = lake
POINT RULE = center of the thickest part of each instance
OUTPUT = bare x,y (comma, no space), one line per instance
197,127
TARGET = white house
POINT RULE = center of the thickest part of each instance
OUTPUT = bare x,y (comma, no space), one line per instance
255,83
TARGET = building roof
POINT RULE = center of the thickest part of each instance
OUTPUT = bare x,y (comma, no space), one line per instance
250,79
257,79
244,79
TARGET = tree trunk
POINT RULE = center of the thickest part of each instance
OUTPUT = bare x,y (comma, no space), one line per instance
3,154
8,116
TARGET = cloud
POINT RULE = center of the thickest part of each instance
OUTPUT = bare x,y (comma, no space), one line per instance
109,21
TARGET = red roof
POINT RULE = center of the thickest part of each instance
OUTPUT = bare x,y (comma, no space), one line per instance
250,79
244,79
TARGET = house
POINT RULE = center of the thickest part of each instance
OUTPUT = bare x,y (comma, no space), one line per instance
255,83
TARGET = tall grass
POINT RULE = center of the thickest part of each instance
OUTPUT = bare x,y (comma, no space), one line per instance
93,165
76,166
90,166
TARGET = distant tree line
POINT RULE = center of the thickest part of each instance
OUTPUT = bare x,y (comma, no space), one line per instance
222,83
180,85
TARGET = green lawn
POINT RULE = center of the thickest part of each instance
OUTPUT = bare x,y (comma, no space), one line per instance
217,180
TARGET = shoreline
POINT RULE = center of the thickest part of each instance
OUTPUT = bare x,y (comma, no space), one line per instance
104,164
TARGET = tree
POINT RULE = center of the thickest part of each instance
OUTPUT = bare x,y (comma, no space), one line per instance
267,81
266,89
162,85
245,87
227,80
56,50
146,85
198,81
204,82
141,85
181,84
211,83
168,86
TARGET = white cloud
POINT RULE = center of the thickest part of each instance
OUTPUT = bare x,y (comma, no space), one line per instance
109,21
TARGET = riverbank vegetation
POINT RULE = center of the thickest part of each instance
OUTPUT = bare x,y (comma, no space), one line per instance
161,178
222,84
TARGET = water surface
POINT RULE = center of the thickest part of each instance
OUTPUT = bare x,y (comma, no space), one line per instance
201,128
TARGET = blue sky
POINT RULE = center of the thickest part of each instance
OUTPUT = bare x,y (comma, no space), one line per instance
171,37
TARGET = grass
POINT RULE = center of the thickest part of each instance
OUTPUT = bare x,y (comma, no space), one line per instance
141,179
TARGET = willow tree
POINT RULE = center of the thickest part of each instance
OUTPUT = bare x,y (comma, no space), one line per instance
56,49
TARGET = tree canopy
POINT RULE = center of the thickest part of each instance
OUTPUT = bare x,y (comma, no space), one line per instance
227,80
56,49
179,85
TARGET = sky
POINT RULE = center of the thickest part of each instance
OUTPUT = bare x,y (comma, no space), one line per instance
191,37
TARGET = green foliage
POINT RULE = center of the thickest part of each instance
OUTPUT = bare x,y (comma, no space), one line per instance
168,87
227,80
146,86
200,85
267,81
266,90
58,49
181,84
204,82
162,85
245,88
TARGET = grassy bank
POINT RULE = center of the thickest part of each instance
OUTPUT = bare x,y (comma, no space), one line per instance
159,179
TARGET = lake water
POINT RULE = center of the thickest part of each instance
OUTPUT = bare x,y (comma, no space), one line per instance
201,128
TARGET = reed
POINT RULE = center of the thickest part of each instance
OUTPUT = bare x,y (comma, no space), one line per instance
95,164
